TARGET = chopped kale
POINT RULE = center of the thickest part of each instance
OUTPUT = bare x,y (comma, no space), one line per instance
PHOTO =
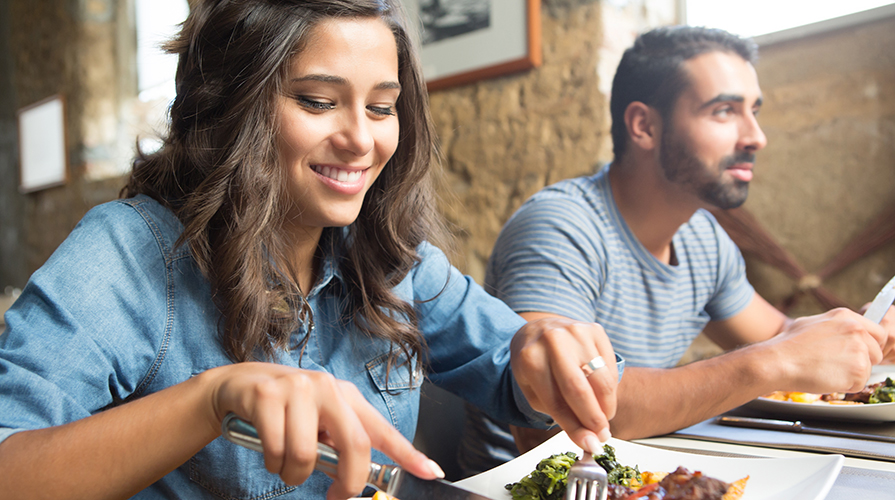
884,393
547,481
617,473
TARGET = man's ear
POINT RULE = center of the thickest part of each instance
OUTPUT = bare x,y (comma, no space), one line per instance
644,125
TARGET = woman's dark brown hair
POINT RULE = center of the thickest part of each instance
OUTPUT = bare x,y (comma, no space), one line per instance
218,170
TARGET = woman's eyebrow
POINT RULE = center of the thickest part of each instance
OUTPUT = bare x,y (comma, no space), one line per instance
338,80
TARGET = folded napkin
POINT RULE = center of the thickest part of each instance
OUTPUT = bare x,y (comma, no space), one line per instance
708,430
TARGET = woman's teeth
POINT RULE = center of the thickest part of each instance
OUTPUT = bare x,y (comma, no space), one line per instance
339,174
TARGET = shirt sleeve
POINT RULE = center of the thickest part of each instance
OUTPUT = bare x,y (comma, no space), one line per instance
548,258
82,336
468,333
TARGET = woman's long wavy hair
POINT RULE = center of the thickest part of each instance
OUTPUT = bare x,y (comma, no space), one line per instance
219,171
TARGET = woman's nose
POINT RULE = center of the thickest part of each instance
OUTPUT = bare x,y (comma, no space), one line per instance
355,135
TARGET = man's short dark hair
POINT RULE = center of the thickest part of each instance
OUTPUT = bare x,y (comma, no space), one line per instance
651,71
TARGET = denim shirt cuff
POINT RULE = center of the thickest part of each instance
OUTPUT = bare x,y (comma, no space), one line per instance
542,420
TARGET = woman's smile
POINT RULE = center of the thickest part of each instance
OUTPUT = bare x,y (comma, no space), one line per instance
337,120
345,180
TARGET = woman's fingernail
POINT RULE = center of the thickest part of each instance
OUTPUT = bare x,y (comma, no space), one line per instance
436,469
592,444
604,435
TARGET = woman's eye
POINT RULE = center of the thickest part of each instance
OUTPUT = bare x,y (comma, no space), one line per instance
314,104
382,110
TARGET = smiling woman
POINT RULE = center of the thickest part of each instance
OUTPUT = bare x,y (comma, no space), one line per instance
337,121
273,259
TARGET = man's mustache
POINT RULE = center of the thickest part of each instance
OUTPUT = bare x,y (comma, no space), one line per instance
740,157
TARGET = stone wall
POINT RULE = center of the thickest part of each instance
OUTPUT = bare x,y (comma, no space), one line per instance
70,48
829,167
503,139
829,116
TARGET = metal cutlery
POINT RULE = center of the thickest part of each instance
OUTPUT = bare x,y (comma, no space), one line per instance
797,426
881,303
587,480
388,478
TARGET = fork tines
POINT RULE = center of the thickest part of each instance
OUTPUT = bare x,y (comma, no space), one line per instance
587,480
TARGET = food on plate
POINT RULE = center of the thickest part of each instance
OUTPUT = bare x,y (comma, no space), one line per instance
880,392
380,495
548,481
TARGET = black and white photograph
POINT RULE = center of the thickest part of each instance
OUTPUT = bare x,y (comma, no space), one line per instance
443,19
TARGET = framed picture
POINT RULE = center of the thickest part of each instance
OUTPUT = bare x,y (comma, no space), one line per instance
468,40
42,149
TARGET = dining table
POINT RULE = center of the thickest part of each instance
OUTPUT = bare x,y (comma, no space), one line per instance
867,473
829,452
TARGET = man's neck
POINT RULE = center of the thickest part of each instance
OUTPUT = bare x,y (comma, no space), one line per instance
649,204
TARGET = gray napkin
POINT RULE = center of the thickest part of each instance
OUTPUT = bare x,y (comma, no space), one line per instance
708,430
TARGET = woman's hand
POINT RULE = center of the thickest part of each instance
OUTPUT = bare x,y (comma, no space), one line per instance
293,409
547,356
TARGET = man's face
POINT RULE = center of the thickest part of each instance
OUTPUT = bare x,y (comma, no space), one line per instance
709,141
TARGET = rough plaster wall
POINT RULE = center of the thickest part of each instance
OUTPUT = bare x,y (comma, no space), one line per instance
829,167
64,47
12,254
503,139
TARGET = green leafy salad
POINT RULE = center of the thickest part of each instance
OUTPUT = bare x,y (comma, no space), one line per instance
548,480
885,393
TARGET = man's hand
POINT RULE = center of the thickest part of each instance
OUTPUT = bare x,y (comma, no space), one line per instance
830,352
547,356
888,324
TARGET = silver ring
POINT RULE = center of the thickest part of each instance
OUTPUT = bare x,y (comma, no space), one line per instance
593,365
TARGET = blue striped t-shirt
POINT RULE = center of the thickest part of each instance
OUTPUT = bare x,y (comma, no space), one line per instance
568,251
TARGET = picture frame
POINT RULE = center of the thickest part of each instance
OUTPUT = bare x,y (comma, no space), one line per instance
43,159
456,50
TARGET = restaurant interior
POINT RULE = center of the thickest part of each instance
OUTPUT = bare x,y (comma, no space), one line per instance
817,231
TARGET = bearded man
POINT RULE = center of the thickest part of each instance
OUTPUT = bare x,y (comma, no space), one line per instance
634,249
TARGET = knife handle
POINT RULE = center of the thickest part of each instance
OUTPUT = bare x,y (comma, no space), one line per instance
237,430
761,423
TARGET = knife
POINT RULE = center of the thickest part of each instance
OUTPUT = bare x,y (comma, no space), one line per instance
388,478
784,425
881,303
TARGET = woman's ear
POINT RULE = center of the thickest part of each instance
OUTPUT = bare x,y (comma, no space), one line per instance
644,125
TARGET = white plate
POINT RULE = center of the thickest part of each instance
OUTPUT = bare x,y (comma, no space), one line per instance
880,412
803,478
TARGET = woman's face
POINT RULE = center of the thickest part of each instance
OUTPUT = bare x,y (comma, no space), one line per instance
338,123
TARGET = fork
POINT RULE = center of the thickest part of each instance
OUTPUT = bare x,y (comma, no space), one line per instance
587,480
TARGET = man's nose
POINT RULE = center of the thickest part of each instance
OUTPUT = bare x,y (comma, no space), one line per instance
752,138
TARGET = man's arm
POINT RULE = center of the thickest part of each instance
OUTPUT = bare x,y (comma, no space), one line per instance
832,352
759,321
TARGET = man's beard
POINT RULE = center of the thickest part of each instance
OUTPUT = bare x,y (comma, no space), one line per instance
682,167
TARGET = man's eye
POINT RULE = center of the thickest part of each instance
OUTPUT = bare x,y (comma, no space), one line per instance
314,104
726,110
382,110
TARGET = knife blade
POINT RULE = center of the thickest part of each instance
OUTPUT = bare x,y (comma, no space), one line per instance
388,478
797,426
881,303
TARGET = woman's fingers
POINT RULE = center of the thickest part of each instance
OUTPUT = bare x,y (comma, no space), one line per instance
548,358
387,439
290,408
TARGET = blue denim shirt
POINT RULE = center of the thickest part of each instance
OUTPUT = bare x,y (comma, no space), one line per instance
119,312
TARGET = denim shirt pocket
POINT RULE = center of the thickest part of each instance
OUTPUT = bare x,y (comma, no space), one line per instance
399,391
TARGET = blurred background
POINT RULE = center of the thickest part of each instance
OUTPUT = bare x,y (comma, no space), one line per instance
820,217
